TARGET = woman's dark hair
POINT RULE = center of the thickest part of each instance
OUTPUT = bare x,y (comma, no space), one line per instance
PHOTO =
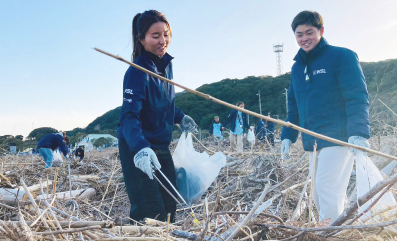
239,103
307,18
141,24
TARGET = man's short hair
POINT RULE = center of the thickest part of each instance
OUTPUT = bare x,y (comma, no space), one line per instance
239,103
307,18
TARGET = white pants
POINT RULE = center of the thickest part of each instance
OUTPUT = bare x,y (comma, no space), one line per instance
333,168
239,138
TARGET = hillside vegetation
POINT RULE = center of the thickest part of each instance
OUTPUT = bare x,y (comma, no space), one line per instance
381,79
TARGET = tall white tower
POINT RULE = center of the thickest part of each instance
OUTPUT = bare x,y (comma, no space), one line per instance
278,49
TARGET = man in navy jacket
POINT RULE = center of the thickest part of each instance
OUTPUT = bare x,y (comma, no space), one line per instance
327,95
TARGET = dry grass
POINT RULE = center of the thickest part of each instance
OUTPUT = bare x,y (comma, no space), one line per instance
226,203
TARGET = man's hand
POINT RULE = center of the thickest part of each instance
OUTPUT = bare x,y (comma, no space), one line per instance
285,149
358,141
143,160
188,125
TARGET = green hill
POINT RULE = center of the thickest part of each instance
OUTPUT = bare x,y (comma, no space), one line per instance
381,79
233,90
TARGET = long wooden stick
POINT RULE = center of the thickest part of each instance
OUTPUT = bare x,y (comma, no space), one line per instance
37,209
280,122
347,213
332,228
387,107
250,214
69,230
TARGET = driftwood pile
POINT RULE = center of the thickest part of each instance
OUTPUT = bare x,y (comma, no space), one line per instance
257,196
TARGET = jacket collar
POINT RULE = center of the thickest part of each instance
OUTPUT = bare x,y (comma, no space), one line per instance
152,61
313,54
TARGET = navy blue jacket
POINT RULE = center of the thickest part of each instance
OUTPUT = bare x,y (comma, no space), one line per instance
53,141
148,113
269,128
333,102
260,130
212,127
232,119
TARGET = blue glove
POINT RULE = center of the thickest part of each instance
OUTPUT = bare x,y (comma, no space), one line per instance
358,141
285,149
143,160
188,125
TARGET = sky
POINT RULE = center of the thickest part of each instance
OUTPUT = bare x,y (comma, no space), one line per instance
50,76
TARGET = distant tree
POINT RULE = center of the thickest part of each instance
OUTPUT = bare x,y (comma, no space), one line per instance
232,91
75,131
107,121
10,140
39,133
77,137
20,137
5,137
103,141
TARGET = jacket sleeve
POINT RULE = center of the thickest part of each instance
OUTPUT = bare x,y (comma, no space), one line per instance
61,144
354,90
292,116
134,95
212,128
178,115
229,118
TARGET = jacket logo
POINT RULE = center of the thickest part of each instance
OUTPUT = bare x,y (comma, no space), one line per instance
128,100
320,71
128,91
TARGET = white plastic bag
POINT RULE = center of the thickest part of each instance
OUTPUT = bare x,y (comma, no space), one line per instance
367,176
251,136
57,156
195,171
57,161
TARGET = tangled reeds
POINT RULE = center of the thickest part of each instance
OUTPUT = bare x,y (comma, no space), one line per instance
256,196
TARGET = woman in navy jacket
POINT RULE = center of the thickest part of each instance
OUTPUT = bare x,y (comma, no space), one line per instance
147,120
50,143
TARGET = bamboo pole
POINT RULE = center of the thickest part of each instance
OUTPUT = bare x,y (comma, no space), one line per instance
237,228
387,107
37,209
69,224
69,230
280,122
